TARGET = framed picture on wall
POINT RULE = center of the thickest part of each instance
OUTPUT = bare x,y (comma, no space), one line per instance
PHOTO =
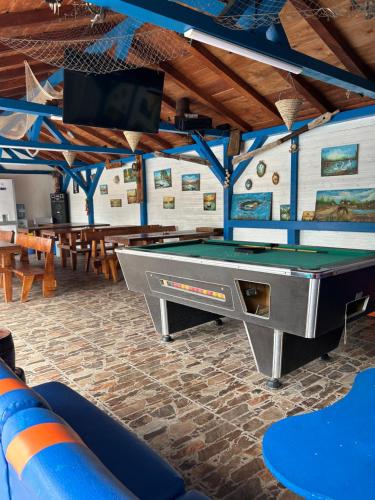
209,202
104,189
252,206
191,182
284,212
75,187
163,178
132,196
169,202
339,160
116,203
353,205
130,175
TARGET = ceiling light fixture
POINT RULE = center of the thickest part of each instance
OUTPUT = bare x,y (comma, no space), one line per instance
54,5
199,36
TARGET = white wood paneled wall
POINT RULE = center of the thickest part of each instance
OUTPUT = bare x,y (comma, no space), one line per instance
188,212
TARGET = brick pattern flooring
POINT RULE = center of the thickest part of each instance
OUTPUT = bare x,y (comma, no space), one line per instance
198,401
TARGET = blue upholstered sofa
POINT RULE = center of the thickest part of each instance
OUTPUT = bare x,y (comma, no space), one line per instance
56,445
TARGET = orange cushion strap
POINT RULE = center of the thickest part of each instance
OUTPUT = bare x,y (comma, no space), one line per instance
11,384
35,439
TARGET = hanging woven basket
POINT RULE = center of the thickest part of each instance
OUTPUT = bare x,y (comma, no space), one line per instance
69,156
289,109
133,138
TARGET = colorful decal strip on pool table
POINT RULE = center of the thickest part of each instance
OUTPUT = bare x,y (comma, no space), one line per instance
193,289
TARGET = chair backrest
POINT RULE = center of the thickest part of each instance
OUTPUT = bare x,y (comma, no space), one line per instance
37,243
7,236
167,228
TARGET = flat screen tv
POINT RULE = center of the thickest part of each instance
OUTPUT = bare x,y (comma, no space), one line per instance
123,100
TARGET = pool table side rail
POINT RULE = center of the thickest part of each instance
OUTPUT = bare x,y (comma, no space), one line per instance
333,270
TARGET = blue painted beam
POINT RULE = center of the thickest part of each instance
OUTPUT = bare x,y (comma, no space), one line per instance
39,161
31,172
228,194
241,167
31,108
360,227
42,146
293,234
206,152
143,204
94,182
34,132
178,18
66,182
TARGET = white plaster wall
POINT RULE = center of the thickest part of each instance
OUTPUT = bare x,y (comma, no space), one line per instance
188,212
34,192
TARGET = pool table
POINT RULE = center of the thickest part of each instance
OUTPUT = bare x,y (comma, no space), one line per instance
294,300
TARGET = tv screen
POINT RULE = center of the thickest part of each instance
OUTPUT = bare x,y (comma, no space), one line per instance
123,100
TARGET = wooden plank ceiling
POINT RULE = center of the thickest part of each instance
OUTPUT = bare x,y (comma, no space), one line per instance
231,89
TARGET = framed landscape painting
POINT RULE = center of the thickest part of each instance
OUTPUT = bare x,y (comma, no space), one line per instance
209,201
252,206
340,160
132,196
284,212
354,205
104,189
116,203
191,182
168,202
163,178
130,175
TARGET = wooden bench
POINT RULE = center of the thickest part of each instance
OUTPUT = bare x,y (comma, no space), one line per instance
7,236
28,273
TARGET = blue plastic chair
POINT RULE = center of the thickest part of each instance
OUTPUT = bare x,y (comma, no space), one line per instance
330,453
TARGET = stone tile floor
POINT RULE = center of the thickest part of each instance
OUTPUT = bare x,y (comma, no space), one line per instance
198,401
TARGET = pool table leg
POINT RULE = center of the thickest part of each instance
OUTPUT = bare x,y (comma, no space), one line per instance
165,335
326,357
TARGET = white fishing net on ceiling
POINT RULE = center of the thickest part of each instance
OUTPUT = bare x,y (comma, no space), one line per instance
253,14
16,125
111,43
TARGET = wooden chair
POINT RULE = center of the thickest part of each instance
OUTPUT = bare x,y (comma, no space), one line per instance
7,236
28,273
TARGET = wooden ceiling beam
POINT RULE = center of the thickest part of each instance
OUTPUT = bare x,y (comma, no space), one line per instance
160,141
335,41
229,76
308,92
202,96
169,103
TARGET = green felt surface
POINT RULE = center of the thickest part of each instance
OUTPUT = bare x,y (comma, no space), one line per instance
225,250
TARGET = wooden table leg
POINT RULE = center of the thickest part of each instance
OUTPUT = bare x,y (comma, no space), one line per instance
62,251
73,246
7,279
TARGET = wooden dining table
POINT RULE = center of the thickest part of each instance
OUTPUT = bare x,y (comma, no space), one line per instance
68,236
157,237
7,250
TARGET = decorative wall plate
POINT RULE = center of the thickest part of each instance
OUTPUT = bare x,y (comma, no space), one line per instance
275,178
116,179
248,184
261,168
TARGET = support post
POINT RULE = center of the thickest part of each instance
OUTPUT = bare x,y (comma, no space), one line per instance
294,234
89,199
143,204
228,193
